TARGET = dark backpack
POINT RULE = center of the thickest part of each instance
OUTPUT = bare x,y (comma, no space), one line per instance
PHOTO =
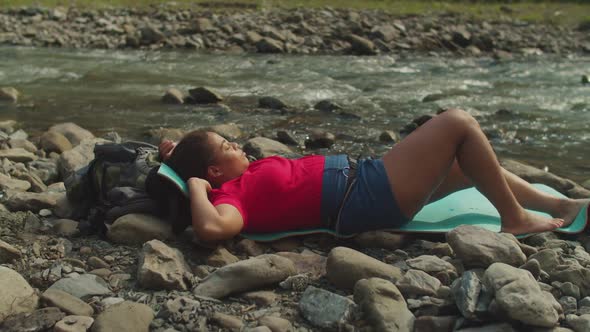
113,184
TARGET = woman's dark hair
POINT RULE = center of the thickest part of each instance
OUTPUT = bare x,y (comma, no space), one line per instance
190,158
192,155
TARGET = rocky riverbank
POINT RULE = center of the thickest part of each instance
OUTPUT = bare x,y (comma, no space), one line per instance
54,277
294,31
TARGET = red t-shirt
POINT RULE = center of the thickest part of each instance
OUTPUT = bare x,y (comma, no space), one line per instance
276,194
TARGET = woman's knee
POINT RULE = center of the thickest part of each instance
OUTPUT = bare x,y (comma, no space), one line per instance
460,118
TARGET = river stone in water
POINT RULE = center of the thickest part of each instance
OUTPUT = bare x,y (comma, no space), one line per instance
74,133
346,266
262,147
416,282
173,96
203,95
125,316
9,94
271,103
8,183
325,309
8,253
520,297
250,274
383,305
16,296
73,324
67,302
82,286
162,267
136,228
478,247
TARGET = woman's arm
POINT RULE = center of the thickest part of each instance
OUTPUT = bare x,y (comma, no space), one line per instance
212,223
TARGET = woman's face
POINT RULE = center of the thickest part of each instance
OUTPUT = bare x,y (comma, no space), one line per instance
229,161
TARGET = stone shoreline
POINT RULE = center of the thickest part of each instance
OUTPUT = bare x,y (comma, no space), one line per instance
292,31
55,277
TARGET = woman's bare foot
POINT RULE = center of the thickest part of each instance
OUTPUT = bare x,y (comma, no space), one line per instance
530,223
568,209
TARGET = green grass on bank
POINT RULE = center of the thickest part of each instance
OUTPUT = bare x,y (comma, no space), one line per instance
568,13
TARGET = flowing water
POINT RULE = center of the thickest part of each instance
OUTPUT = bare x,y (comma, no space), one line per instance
547,123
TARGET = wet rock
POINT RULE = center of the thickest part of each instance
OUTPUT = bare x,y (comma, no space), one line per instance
415,283
276,324
478,247
8,183
221,257
383,305
73,324
346,266
520,297
325,309
286,137
9,94
82,286
8,253
125,316
432,264
262,147
38,320
74,133
361,46
250,274
327,106
578,323
466,292
173,96
585,79
17,296
17,155
319,139
389,136
227,321
203,95
67,303
138,228
53,141
230,131
271,103
434,323
269,45
162,267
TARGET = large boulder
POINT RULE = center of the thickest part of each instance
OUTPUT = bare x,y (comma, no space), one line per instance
478,247
16,295
78,157
136,228
162,267
346,266
250,274
519,295
383,305
125,316
74,133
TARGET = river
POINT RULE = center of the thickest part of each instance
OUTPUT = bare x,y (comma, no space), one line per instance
545,118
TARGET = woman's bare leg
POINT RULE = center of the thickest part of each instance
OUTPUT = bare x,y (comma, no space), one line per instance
527,195
419,164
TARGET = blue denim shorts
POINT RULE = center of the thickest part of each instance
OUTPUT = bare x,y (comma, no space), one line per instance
366,204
